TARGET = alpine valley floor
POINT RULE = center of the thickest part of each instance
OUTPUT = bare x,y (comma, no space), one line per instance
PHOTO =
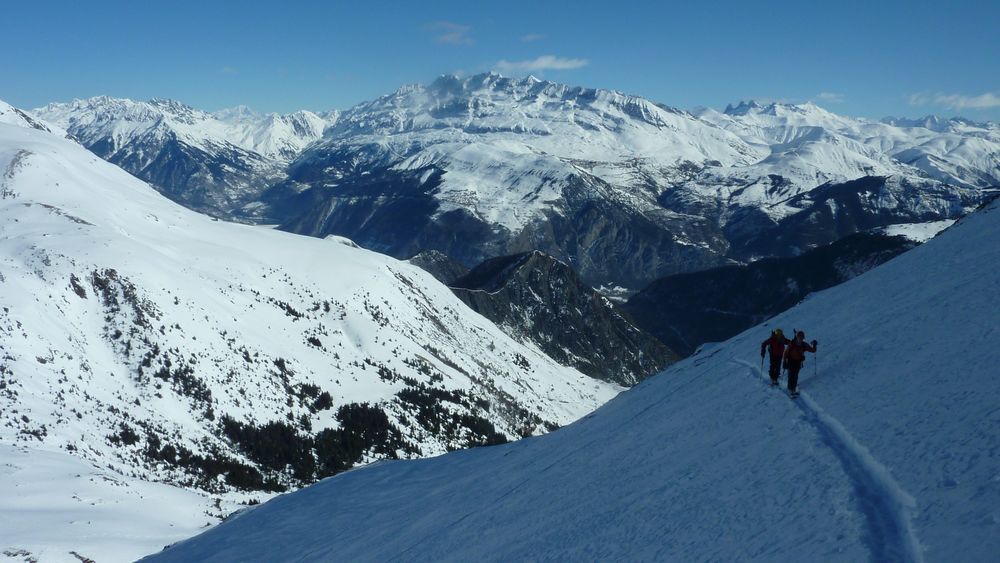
891,452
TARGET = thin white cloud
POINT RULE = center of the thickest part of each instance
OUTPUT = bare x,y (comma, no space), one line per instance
450,33
542,63
957,101
532,37
830,97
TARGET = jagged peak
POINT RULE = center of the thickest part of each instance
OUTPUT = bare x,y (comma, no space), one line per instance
742,108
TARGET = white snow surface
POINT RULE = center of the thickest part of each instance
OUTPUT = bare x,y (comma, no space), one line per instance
55,504
919,232
890,454
99,275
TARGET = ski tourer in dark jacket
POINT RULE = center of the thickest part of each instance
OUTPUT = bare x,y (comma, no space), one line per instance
795,355
776,344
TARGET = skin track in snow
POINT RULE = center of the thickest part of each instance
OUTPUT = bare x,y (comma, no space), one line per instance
887,506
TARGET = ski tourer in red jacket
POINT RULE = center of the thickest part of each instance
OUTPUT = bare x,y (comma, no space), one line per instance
795,355
776,344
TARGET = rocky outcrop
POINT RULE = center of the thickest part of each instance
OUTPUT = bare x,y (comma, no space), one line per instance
536,298
439,265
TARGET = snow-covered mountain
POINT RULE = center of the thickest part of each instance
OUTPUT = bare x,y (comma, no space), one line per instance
213,163
624,189
809,145
889,454
157,344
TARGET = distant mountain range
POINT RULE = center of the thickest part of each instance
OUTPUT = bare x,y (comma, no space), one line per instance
213,163
623,189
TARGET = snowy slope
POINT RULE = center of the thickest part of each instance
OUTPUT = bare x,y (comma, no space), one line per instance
162,345
56,504
14,116
891,452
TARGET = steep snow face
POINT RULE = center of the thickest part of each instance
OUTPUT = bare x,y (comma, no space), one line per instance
890,453
213,163
164,345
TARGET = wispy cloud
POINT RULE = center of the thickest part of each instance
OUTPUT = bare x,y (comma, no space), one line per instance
831,97
957,101
542,63
229,70
450,33
532,37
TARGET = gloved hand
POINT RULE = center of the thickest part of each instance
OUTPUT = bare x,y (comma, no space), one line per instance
761,353
814,343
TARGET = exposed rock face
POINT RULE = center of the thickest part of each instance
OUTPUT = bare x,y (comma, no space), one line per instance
537,298
687,310
439,265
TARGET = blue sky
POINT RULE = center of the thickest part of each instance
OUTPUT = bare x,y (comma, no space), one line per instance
871,58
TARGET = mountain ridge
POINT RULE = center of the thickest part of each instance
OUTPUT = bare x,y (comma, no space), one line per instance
624,189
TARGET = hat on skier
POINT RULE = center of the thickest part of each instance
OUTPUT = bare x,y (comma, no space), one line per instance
800,334
777,332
